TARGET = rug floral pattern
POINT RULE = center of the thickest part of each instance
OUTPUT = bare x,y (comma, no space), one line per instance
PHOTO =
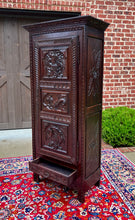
22,198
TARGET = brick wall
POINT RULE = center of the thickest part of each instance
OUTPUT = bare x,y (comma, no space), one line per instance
119,57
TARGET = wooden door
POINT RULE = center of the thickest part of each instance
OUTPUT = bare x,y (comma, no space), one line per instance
15,98
55,74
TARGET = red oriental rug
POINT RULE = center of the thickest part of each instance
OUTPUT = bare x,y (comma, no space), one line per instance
22,198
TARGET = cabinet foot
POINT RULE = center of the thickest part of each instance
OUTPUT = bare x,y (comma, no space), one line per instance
36,178
81,196
66,189
97,183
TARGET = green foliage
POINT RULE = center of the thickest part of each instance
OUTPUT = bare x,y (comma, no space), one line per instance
118,126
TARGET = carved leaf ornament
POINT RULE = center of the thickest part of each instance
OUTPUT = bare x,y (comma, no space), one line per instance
55,102
94,71
54,63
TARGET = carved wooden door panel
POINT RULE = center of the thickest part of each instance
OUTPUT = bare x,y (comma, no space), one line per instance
57,86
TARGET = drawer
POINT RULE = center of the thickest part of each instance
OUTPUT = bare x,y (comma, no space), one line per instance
53,171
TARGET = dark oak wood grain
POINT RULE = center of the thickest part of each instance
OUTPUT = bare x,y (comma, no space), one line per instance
66,84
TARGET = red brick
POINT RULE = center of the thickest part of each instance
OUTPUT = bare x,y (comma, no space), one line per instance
126,84
99,2
130,17
117,75
126,21
105,96
118,84
109,3
122,103
101,16
113,103
122,96
121,26
130,26
102,7
118,3
120,34
120,8
99,11
116,21
116,47
114,80
121,16
131,95
108,76
119,43
93,6
117,68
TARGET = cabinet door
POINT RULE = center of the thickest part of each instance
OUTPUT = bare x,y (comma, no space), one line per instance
56,95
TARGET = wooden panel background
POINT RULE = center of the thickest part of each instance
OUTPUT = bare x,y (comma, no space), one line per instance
15,96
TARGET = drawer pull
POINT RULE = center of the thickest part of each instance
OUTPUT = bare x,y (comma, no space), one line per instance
46,175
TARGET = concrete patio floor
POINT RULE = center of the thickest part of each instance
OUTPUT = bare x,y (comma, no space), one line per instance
15,143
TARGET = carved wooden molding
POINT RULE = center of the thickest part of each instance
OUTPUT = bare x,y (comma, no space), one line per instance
64,86
56,117
75,23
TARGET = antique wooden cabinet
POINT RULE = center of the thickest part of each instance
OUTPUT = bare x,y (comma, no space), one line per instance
66,59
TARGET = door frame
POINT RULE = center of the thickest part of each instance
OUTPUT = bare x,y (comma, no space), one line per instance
48,15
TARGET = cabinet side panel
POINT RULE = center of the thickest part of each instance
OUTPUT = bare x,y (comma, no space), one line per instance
94,76
94,71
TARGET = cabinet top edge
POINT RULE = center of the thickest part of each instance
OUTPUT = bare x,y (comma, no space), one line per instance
74,21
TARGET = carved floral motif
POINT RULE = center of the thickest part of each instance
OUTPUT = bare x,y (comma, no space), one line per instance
56,102
54,137
54,63
94,71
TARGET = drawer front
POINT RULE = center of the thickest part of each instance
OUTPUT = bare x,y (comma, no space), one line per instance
50,172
